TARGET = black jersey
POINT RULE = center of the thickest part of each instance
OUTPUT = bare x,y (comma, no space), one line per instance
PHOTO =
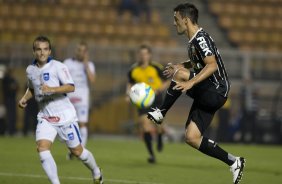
200,46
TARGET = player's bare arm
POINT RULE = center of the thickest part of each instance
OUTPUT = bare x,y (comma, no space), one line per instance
208,70
171,68
128,86
90,75
67,88
28,95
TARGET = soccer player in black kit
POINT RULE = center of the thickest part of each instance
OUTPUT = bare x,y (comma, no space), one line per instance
203,77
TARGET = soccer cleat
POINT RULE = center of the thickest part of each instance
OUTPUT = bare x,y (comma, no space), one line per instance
151,160
99,180
156,116
237,169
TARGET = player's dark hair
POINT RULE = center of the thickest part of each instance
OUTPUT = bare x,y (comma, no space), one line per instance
145,46
84,43
188,10
41,39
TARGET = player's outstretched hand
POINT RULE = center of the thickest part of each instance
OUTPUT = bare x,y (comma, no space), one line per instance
22,103
170,69
183,86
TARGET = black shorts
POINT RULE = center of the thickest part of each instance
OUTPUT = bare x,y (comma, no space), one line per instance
157,103
206,103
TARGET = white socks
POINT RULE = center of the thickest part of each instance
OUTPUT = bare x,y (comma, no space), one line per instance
84,135
49,166
88,159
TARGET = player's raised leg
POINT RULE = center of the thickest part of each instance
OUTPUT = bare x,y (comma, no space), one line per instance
207,146
180,74
82,112
89,161
72,134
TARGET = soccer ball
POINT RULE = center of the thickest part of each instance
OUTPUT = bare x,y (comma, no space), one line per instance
142,95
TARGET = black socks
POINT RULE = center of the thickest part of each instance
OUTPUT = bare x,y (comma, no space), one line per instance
160,142
210,148
170,97
148,143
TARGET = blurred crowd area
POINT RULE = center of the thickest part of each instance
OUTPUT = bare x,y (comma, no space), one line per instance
247,33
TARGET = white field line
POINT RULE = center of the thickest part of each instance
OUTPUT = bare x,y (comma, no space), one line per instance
75,178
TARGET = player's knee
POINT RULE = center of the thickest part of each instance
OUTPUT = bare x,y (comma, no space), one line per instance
41,147
192,140
76,151
181,75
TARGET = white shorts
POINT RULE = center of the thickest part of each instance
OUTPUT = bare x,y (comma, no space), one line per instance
82,112
68,133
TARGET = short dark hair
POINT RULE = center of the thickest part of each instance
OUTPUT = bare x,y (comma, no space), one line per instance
146,46
188,10
41,39
84,43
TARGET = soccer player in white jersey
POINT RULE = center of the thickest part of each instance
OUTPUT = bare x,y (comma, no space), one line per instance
83,73
49,81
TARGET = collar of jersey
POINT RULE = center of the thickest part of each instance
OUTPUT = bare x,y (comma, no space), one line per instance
48,60
195,34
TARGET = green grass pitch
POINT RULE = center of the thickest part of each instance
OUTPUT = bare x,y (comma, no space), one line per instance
124,161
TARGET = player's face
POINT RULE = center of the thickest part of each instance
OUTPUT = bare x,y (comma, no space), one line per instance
41,51
179,23
144,55
81,52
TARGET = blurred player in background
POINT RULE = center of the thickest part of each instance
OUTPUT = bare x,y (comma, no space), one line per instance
83,73
207,83
10,88
49,81
150,73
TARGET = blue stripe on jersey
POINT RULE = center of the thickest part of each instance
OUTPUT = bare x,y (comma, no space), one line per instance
77,132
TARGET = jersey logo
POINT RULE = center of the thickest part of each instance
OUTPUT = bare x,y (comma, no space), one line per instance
150,80
204,46
46,76
71,136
